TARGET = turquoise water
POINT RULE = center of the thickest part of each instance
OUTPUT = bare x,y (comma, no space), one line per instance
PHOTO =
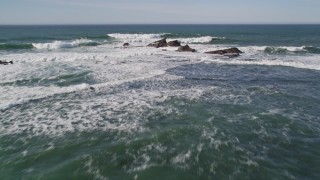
76,105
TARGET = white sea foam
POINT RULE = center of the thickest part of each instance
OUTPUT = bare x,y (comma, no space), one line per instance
253,49
125,111
61,44
113,69
23,94
182,158
131,38
145,38
292,48
204,39
26,94
136,36
259,49
103,53
297,62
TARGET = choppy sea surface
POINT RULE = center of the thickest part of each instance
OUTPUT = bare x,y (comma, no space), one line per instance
76,104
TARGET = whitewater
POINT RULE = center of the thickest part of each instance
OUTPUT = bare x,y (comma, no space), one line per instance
81,105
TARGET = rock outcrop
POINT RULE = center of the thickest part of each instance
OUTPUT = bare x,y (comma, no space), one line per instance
126,44
230,51
5,62
186,48
160,43
174,43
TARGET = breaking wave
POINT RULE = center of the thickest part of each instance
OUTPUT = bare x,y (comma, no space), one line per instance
137,37
153,37
288,49
204,39
65,44
282,49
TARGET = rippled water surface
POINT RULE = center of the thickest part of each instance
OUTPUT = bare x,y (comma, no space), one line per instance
75,104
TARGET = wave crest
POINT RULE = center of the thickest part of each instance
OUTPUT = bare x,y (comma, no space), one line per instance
276,50
137,37
282,49
290,49
204,39
64,44
145,38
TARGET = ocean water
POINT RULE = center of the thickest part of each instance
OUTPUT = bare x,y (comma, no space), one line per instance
75,104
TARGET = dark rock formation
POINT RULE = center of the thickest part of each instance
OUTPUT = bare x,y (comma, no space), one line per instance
160,43
226,51
5,62
186,48
174,43
126,44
